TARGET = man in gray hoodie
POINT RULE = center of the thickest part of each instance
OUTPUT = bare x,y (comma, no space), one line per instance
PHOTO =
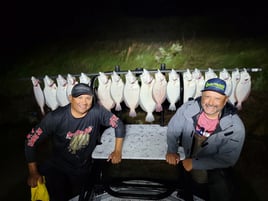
212,135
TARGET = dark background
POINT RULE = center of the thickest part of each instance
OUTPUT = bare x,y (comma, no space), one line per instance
27,24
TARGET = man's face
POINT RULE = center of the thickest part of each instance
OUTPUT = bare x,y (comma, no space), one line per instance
212,103
80,105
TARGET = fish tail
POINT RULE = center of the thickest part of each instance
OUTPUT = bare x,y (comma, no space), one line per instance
158,108
42,111
118,107
132,113
232,100
239,105
149,117
172,107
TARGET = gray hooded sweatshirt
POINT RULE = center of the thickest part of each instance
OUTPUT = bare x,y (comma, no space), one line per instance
220,150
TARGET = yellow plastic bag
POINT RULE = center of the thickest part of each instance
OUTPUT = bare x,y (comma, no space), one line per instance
40,192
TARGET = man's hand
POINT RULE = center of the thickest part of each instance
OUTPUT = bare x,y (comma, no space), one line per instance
172,158
33,179
188,164
115,157
34,175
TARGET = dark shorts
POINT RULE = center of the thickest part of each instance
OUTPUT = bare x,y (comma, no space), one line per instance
221,186
63,184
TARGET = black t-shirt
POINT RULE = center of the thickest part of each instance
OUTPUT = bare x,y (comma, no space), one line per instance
74,139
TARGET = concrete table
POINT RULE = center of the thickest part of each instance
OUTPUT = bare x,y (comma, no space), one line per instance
142,141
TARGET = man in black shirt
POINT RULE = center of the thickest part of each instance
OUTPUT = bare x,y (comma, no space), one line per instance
74,130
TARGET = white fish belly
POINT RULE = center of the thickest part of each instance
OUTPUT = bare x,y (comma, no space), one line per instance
50,97
159,94
242,93
69,90
61,96
199,87
173,94
131,97
147,102
189,90
105,96
39,97
229,87
117,94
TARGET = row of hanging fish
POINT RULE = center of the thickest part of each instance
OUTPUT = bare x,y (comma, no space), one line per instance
55,94
238,84
149,93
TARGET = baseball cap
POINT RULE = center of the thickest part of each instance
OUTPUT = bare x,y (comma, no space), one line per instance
81,89
215,84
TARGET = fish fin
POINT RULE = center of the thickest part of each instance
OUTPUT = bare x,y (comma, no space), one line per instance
42,111
118,107
158,108
149,117
239,105
172,107
132,113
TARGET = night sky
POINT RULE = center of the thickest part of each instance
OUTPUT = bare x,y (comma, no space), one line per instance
24,23
26,18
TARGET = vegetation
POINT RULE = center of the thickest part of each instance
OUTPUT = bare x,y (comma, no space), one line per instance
93,60
146,44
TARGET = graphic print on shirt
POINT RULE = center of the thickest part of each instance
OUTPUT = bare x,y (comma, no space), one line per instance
205,126
113,121
79,139
33,136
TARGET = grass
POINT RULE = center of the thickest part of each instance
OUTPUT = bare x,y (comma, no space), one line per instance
195,53
135,42
207,52
101,56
